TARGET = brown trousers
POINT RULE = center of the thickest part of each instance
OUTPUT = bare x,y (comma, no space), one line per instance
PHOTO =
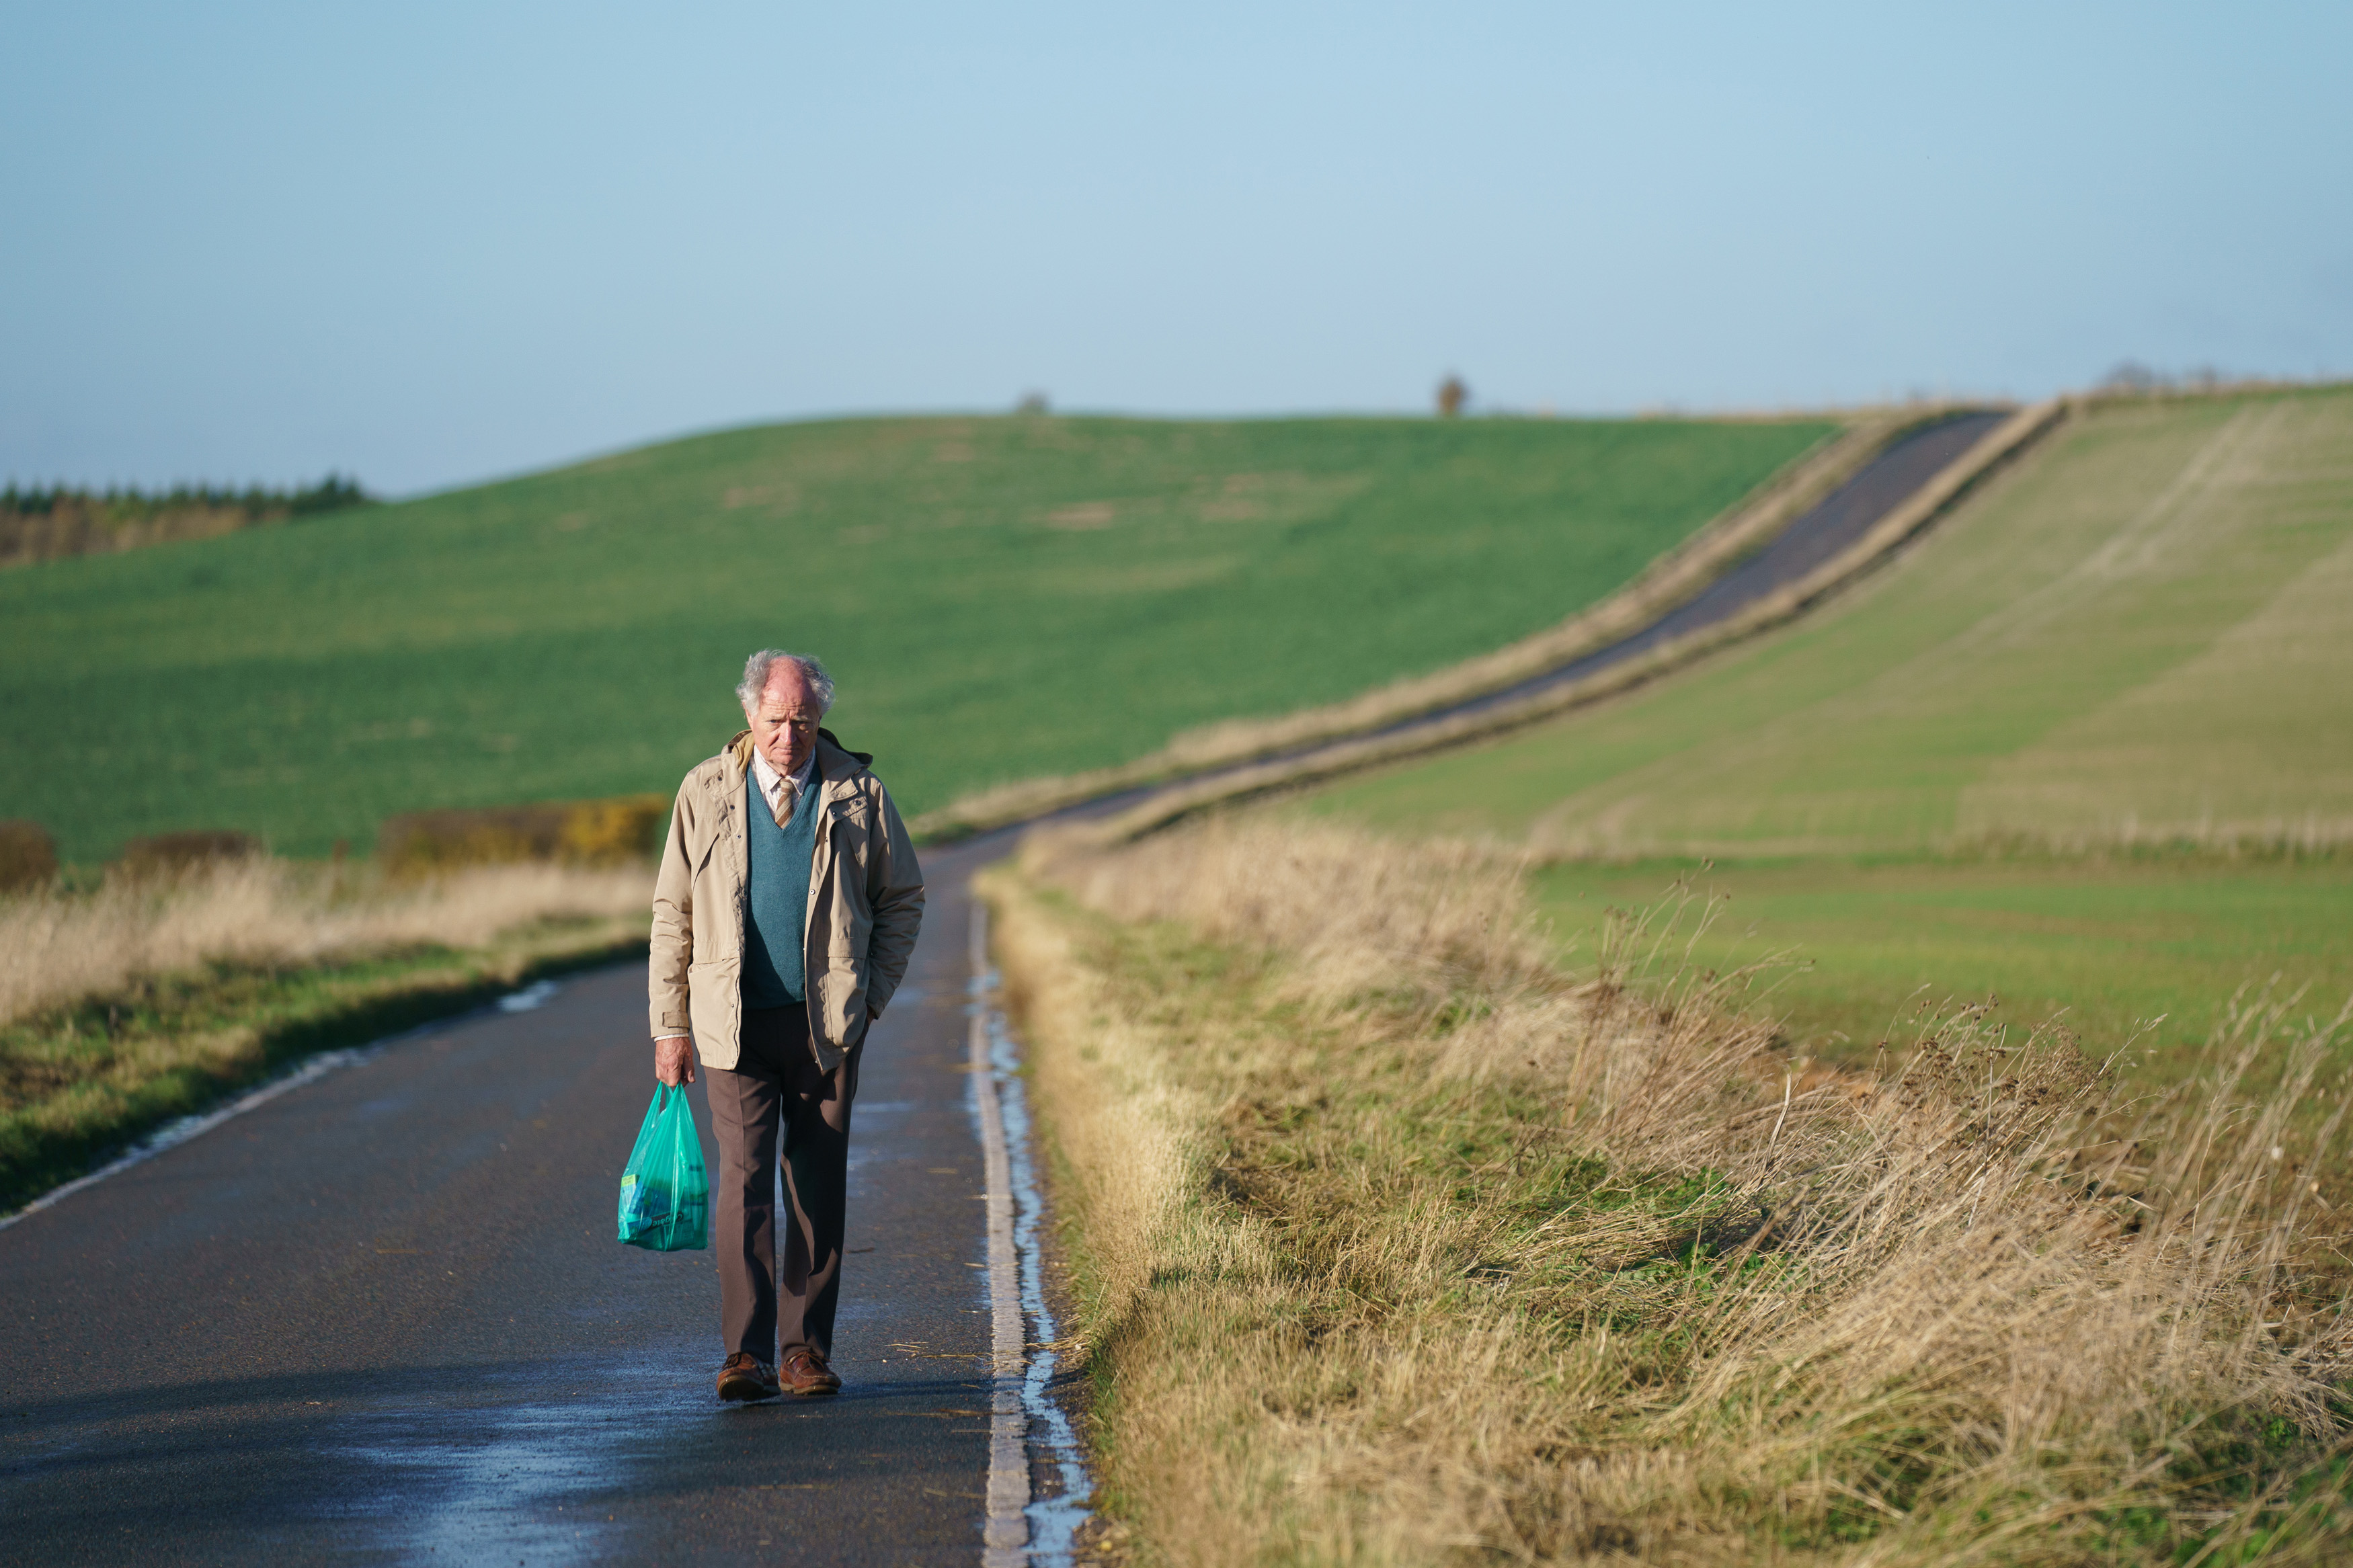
776,1081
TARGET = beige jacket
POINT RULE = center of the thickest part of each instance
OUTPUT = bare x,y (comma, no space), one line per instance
866,902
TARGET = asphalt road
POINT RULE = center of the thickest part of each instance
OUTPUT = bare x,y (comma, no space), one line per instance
382,1318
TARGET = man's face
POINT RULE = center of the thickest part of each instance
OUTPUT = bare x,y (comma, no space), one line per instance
783,726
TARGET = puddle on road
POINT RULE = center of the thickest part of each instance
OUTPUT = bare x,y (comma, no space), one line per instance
465,1478
533,996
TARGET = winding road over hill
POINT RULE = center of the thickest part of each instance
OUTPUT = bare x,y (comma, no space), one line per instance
1839,520
381,1317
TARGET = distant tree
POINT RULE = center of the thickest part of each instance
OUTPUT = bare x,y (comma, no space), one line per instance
1452,395
41,522
2131,375
255,503
333,493
1032,402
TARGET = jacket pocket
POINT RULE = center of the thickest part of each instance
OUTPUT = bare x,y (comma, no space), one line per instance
841,993
714,1004
847,943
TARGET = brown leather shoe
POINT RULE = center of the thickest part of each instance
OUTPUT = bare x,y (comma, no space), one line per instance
745,1377
806,1372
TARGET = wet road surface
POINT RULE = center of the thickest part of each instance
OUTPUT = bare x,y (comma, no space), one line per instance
382,1318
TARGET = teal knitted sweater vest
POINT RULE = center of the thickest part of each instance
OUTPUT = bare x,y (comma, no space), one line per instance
776,902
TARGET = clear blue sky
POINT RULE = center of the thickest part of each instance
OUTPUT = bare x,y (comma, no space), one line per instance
430,242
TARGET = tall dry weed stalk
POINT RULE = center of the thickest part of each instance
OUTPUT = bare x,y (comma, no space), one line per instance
1399,1243
56,946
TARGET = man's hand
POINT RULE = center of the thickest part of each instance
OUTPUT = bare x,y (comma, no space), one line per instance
674,1059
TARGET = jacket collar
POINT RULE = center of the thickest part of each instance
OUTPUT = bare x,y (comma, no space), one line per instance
835,761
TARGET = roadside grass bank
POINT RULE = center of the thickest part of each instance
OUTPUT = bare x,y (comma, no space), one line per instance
1394,1242
2107,945
127,1008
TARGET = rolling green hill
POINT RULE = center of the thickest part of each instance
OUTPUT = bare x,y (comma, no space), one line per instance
2019,760
999,598
2144,633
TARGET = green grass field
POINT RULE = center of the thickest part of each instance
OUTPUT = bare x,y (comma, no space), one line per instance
2105,947
2143,635
999,598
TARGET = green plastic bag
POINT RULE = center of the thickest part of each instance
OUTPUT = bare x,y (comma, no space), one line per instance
665,1191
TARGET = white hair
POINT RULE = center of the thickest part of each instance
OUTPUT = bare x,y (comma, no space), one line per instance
757,668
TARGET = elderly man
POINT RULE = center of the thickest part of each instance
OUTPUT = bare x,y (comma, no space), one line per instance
787,904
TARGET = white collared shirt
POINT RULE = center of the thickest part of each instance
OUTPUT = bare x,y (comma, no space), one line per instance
782,791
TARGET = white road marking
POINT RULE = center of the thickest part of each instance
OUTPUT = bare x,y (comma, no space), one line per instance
1005,1534
1020,1528
187,1127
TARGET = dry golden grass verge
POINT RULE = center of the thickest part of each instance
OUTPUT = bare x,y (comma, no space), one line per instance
148,999
1395,1243
58,946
